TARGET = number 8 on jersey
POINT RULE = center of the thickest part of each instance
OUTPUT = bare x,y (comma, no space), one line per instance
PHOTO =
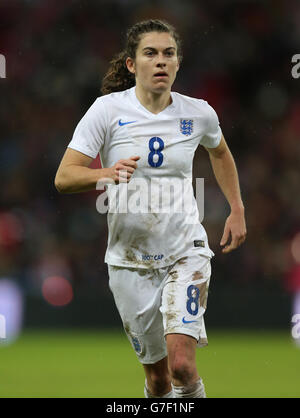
155,157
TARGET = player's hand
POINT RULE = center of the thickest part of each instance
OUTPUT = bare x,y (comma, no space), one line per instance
235,227
123,170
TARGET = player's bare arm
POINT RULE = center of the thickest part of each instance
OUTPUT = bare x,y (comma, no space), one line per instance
75,176
227,177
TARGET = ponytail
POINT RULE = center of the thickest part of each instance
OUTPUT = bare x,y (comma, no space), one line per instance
118,78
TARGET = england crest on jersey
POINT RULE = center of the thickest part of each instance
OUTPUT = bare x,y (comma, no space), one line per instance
186,126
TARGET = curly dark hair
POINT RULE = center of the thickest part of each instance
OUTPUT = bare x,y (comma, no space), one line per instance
118,78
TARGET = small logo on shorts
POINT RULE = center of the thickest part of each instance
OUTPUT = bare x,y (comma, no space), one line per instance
136,345
187,322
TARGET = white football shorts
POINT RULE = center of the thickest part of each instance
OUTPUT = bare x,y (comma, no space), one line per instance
155,302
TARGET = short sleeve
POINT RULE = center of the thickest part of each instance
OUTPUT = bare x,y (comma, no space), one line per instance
90,132
213,133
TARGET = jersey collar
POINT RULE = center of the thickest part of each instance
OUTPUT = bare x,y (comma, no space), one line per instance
137,103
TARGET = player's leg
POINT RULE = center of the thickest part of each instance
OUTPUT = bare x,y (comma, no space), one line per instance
137,294
184,300
186,381
182,359
158,381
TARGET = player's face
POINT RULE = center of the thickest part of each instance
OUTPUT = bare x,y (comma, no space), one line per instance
156,62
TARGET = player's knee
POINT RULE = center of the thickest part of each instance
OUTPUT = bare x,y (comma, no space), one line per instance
181,370
158,384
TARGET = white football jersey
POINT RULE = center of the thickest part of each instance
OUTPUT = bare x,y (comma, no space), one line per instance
153,220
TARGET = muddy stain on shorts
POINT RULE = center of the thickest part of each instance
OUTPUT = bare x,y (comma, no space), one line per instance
126,327
174,274
171,316
203,288
182,260
197,275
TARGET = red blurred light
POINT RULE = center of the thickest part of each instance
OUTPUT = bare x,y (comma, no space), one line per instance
57,291
11,230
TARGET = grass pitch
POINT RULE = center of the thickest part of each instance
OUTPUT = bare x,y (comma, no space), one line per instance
103,364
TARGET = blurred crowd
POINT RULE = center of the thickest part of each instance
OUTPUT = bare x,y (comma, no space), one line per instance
237,56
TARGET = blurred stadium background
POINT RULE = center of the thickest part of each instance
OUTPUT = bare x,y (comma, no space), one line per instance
64,336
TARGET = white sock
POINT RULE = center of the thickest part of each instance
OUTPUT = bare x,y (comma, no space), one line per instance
149,395
196,390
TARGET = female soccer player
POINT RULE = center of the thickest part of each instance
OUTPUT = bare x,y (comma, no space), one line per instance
158,259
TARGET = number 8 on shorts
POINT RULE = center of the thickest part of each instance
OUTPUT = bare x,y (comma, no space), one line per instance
192,305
